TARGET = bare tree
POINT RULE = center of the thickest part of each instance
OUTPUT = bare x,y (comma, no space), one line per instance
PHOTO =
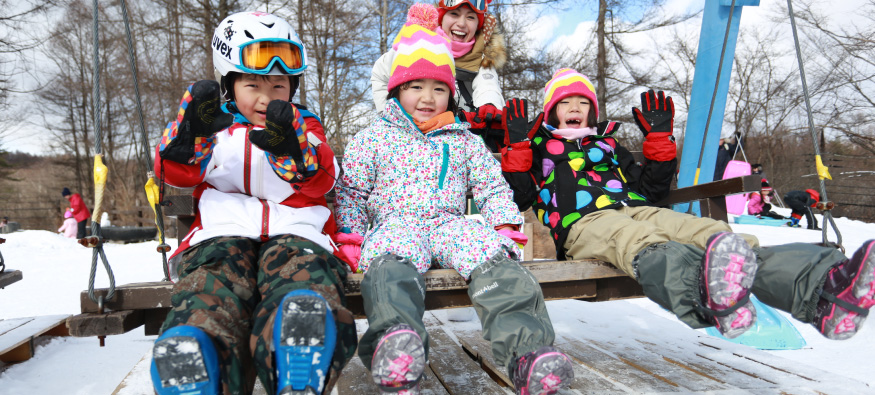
845,71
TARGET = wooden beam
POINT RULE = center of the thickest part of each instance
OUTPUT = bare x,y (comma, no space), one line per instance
113,323
9,277
714,189
445,288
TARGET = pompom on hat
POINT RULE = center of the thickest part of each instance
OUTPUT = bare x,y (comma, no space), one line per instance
766,188
421,52
568,82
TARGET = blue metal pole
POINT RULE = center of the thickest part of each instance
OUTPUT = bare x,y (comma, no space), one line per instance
715,18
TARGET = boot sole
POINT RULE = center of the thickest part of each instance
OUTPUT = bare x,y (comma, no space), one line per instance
399,361
304,340
841,324
550,372
729,271
184,361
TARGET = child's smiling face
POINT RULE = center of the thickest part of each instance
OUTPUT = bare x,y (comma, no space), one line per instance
460,24
253,92
424,99
572,112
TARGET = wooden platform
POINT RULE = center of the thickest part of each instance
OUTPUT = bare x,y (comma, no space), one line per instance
17,335
612,354
9,276
148,303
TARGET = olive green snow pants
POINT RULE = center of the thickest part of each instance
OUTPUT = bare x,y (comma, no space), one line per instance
666,259
618,235
507,298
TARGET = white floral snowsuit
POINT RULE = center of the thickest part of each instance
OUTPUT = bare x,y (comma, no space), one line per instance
412,187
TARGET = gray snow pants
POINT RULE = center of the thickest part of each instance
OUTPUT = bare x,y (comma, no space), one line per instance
669,248
506,296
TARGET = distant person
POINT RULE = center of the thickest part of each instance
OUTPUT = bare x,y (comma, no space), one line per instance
69,227
725,153
759,203
756,168
80,211
801,203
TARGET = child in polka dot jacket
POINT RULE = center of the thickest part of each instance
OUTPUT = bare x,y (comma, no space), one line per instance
597,202
407,176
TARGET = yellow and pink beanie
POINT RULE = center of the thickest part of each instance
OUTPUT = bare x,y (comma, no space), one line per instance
421,52
568,82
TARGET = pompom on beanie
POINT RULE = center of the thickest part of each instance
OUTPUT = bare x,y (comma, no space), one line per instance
421,52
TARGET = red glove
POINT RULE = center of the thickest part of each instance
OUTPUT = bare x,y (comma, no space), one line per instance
350,248
656,122
518,237
485,116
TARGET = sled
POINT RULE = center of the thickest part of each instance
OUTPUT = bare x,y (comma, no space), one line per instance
753,220
771,331
735,203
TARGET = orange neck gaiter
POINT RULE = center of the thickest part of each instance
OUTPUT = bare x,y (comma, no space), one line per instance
438,121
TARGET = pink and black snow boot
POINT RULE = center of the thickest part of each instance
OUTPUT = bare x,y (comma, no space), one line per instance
543,371
728,270
399,361
847,295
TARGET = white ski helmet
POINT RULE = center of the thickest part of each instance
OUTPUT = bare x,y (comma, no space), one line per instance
257,43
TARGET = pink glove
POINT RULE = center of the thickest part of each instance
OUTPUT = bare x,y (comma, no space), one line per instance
518,237
350,248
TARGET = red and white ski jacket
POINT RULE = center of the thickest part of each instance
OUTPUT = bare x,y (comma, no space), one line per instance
239,193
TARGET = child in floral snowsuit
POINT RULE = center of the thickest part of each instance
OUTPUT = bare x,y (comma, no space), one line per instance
407,175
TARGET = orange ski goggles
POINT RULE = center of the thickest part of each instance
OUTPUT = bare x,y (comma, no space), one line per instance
260,56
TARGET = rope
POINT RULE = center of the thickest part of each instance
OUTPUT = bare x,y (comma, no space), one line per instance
822,171
154,196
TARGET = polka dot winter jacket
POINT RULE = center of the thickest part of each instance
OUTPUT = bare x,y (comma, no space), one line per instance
575,178
392,169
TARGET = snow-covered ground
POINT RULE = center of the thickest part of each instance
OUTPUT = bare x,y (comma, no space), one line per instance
56,270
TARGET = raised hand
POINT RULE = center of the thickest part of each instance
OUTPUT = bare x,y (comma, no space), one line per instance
657,115
515,119
656,121
200,116
284,135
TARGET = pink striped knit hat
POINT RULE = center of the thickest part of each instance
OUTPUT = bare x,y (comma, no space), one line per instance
421,52
568,82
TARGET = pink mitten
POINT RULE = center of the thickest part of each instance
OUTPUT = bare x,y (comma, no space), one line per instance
350,248
518,237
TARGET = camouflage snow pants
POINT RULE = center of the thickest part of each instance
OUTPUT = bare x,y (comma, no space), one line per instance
230,287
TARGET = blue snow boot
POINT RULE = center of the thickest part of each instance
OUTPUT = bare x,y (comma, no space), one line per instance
304,336
185,362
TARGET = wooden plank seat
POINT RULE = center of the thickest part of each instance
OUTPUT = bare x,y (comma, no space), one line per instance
9,277
148,303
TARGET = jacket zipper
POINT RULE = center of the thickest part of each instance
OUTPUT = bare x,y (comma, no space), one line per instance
444,162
